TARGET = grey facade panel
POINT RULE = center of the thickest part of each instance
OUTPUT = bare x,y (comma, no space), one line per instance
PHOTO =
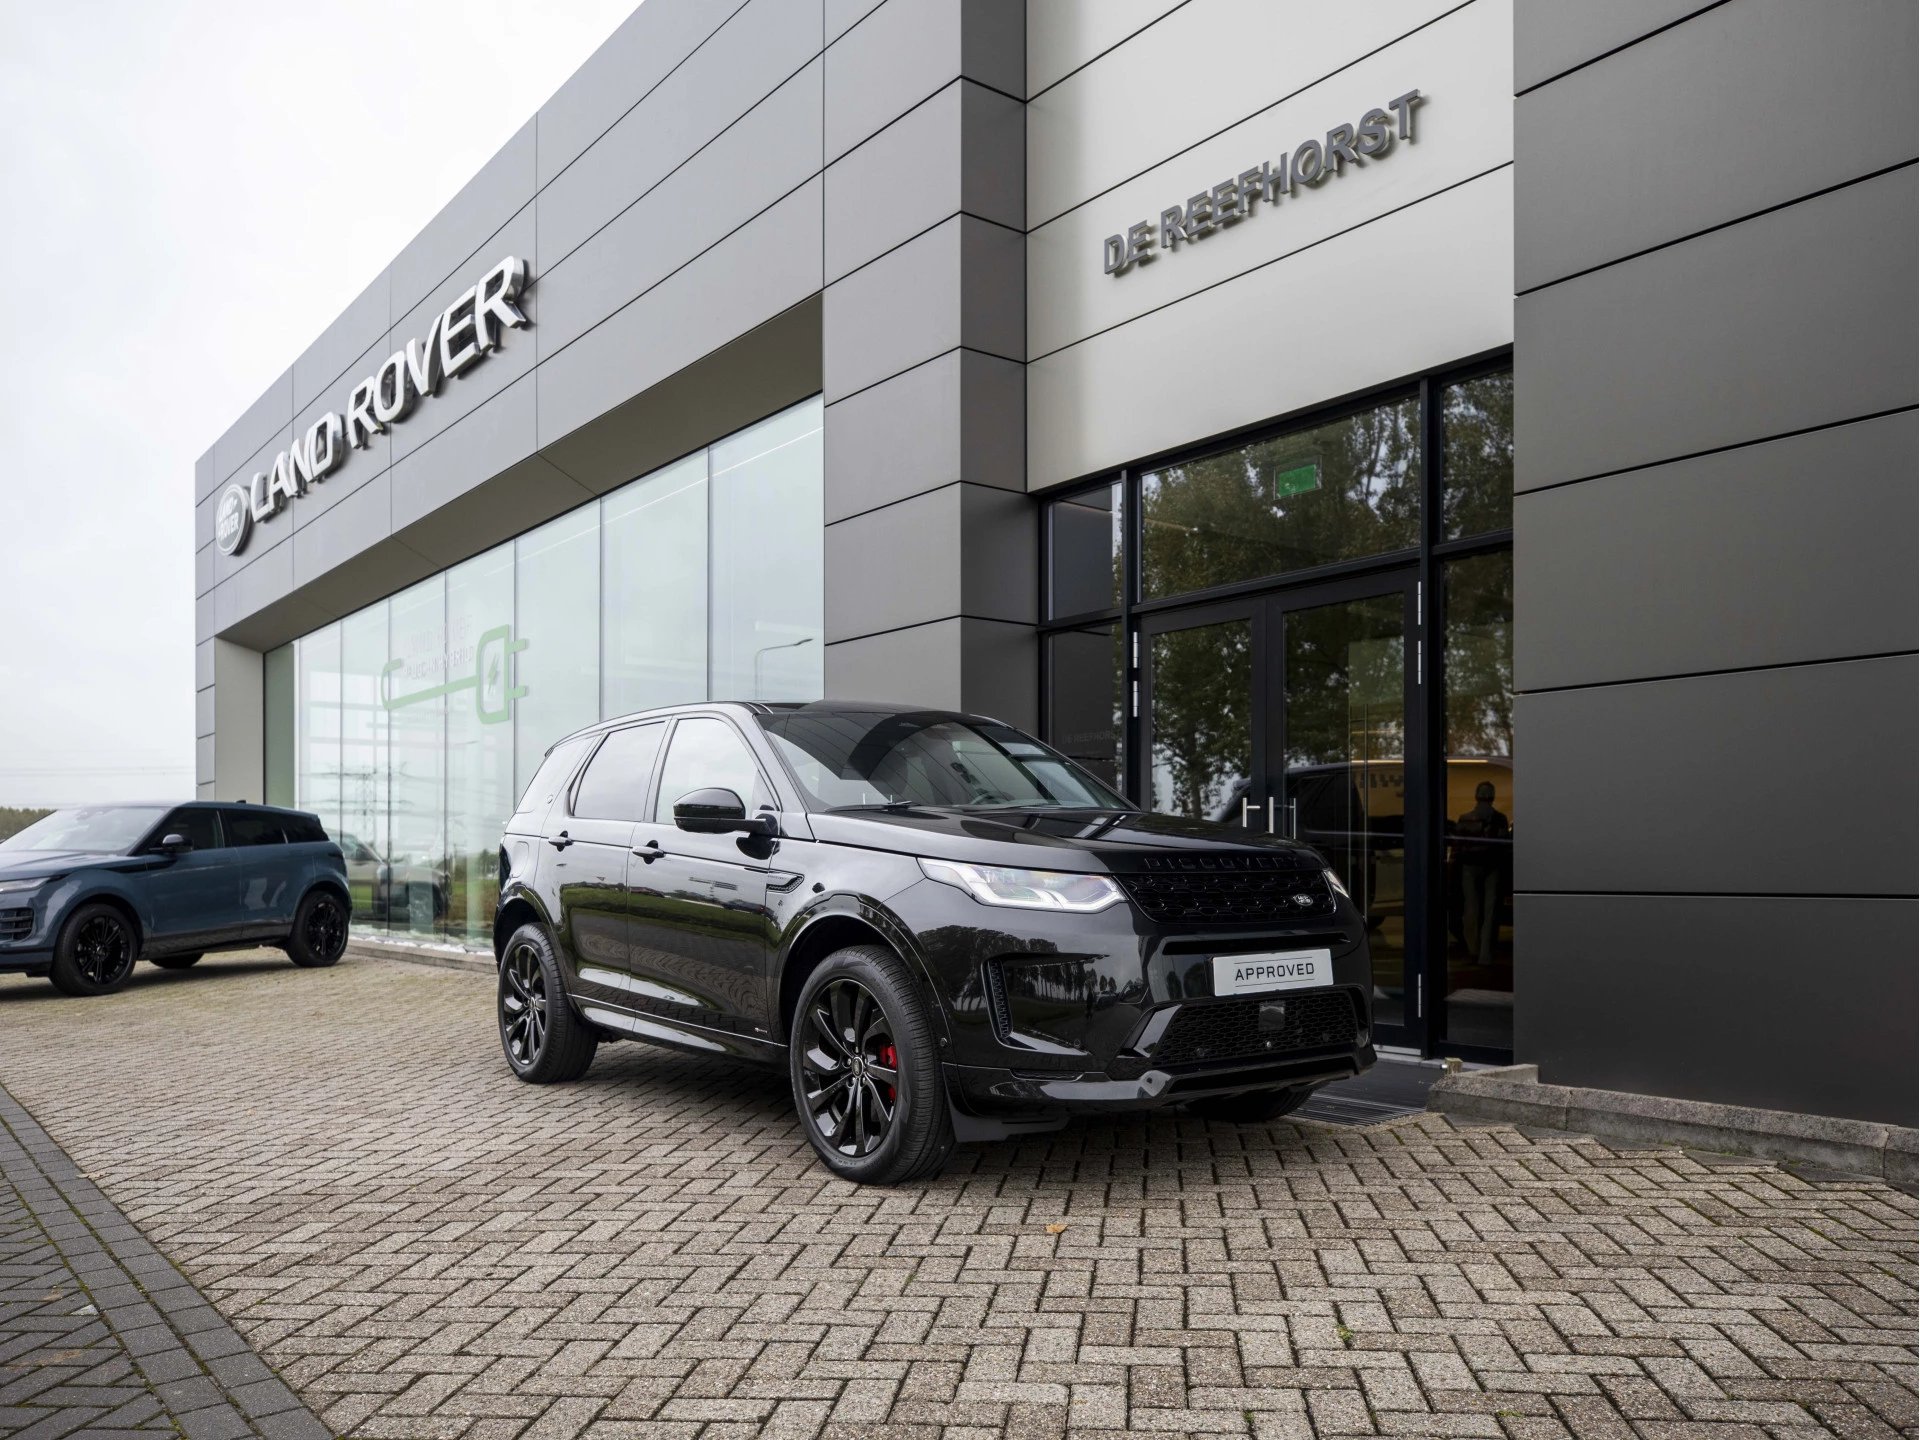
900,181
999,579
272,412
746,60
1796,75
508,503
265,533
895,439
203,712
460,395
1787,1003
354,525
1063,35
961,283
362,464
267,579
907,50
920,665
503,188
1683,568
1761,328
1550,37
843,15
329,367
464,455
203,664
895,567
641,53
770,152
1707,784
203,570
764,268
203,764
1000,671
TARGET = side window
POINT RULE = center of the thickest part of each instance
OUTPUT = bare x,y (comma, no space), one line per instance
199,825
303,830
552,775
615,785
704,754
251,827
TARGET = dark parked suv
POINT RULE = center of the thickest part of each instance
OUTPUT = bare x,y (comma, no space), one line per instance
86,892
939,926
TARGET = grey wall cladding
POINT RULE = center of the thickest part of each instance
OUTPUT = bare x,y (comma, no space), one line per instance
1715,553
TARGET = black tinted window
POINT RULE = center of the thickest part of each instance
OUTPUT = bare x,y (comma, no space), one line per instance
250,827
553,774
199,826
303,830
615,785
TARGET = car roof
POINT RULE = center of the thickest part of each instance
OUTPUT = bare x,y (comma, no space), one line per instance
196,805
772,707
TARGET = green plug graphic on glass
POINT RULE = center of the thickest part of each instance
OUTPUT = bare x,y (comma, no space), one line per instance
493,696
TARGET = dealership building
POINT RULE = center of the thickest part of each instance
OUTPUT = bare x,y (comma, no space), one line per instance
1476,438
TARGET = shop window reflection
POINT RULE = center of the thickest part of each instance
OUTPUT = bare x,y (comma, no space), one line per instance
1479,832
1087,678
1476,461
1341,490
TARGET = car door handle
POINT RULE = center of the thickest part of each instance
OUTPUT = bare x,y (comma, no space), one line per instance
560,841
650,851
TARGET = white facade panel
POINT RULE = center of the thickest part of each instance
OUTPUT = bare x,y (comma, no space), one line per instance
1063,35
1462,127
1413,291
1208,65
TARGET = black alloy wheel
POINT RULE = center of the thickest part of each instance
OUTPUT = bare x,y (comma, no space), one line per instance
544,1040
863,1060
523,1007
850,1068
95,952
319,935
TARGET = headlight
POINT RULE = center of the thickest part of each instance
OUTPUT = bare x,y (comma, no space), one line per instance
1338,888
19,887
1026,889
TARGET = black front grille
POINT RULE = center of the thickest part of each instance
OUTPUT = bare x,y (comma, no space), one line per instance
1230,890
1206,1032
15,924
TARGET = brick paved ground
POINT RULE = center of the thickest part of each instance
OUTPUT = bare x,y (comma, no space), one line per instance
99,1335
422,1246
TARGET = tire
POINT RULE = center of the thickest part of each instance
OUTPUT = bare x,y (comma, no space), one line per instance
95,952
1252,1107
544,1041
319,935
175,962
858,1010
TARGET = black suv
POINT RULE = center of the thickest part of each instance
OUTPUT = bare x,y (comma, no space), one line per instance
941,927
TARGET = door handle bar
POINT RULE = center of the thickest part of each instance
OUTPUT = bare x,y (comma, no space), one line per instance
650,851
560,841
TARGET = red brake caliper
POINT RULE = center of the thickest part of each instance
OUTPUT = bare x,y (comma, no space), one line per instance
891,1059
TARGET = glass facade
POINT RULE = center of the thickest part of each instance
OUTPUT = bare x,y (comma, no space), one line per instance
1318,642
411,726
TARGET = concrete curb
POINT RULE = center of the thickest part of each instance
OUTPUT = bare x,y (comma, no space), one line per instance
445,957
1514,1094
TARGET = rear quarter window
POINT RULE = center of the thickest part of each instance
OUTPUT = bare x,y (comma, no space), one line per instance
303,830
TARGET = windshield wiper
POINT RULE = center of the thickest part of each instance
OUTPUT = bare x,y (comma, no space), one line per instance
874,805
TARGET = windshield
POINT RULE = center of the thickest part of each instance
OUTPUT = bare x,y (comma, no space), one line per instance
851,758
97,829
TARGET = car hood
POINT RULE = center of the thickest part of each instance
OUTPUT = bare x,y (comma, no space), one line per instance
35,864
1090,840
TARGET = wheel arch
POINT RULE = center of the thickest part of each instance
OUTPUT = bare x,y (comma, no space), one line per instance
119,901
835,927
516,909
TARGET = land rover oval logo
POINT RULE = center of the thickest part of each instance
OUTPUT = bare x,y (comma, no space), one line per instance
232,520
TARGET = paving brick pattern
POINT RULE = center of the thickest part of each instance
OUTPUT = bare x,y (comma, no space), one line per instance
100,1336
424,1247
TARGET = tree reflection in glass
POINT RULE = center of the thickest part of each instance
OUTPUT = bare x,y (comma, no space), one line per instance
1338,491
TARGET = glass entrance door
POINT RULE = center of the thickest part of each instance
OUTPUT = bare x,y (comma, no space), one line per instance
1294,715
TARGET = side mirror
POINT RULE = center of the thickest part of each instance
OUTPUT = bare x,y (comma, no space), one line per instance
718,812
175,844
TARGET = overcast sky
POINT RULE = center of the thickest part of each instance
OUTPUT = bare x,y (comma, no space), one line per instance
189,192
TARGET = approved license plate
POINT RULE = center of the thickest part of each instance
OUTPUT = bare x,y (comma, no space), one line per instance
1272,970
